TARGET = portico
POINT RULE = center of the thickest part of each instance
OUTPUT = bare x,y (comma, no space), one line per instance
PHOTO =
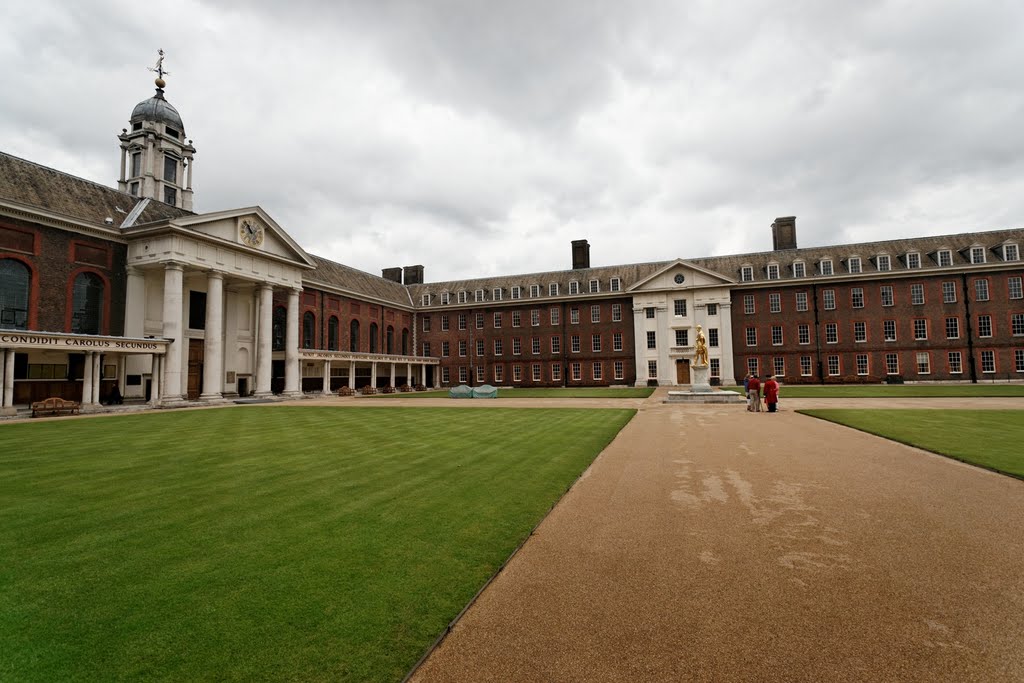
86,368
207,284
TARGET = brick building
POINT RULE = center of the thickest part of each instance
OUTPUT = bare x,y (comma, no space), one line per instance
129,288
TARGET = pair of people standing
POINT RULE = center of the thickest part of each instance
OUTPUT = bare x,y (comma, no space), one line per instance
752,385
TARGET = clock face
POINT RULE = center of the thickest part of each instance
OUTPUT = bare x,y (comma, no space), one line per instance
679,278
251,232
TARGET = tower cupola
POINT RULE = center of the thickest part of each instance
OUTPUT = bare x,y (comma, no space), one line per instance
156,157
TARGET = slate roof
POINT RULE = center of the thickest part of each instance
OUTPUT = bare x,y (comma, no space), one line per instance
927,247
349,279
72,197
627,274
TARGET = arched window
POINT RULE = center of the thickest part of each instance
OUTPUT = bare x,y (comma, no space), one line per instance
390,348
15,281
279,327
353,336
373,337
405,341
308,330
332,334
87,304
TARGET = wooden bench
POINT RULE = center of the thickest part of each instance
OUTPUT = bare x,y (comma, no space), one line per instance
54,406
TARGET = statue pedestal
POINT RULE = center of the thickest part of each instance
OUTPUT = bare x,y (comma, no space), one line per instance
699,379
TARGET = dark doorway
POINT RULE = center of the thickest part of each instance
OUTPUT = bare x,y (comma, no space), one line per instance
195,368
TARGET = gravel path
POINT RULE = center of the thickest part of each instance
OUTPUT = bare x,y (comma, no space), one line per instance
709,544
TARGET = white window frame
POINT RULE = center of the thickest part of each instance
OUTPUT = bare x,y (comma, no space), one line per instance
944,257
746,273
799,269
773,271
574,287
825,267
913,260
853,264
883,262
615,285
595,286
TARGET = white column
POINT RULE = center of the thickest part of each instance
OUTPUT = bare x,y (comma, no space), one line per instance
725,342
87,378
640,345
409,379
124,157
392,374
8,402
155,372
174,277
213,341
97,375
264,346
423,370
327,377
291,348
373,374
351,374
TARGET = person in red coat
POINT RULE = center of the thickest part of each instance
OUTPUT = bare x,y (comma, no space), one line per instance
754,393
771,393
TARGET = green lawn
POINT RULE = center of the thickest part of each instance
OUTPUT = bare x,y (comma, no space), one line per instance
896,390
265,543
990,438
553,392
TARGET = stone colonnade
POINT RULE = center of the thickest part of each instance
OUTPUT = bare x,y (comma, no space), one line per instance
213,338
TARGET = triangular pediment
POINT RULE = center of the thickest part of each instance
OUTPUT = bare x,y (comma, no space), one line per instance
680,274
251,230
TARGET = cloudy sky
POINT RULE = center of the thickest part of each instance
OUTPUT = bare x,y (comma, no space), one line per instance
481,137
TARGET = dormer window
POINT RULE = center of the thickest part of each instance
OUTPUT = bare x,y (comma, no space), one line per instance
853,264
615,285
496,294
773,271
478,295
534,291
517,292
747,274
945,257
799,270
977,254
913,260
825,266
574,287
553,289
1010,252
883,262
595,286
463,296
445,298
425,300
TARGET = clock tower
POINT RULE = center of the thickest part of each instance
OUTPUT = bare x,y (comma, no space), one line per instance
156,157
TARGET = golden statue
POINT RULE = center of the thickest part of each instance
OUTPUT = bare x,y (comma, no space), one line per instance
700,352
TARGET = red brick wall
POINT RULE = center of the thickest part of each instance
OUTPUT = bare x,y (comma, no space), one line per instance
903,313
55,257
526,332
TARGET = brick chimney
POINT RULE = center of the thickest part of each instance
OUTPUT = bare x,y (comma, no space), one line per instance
580,254
393,274
784,233
414,275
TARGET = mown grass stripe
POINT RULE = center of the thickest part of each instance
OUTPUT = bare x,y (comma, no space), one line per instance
265,542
